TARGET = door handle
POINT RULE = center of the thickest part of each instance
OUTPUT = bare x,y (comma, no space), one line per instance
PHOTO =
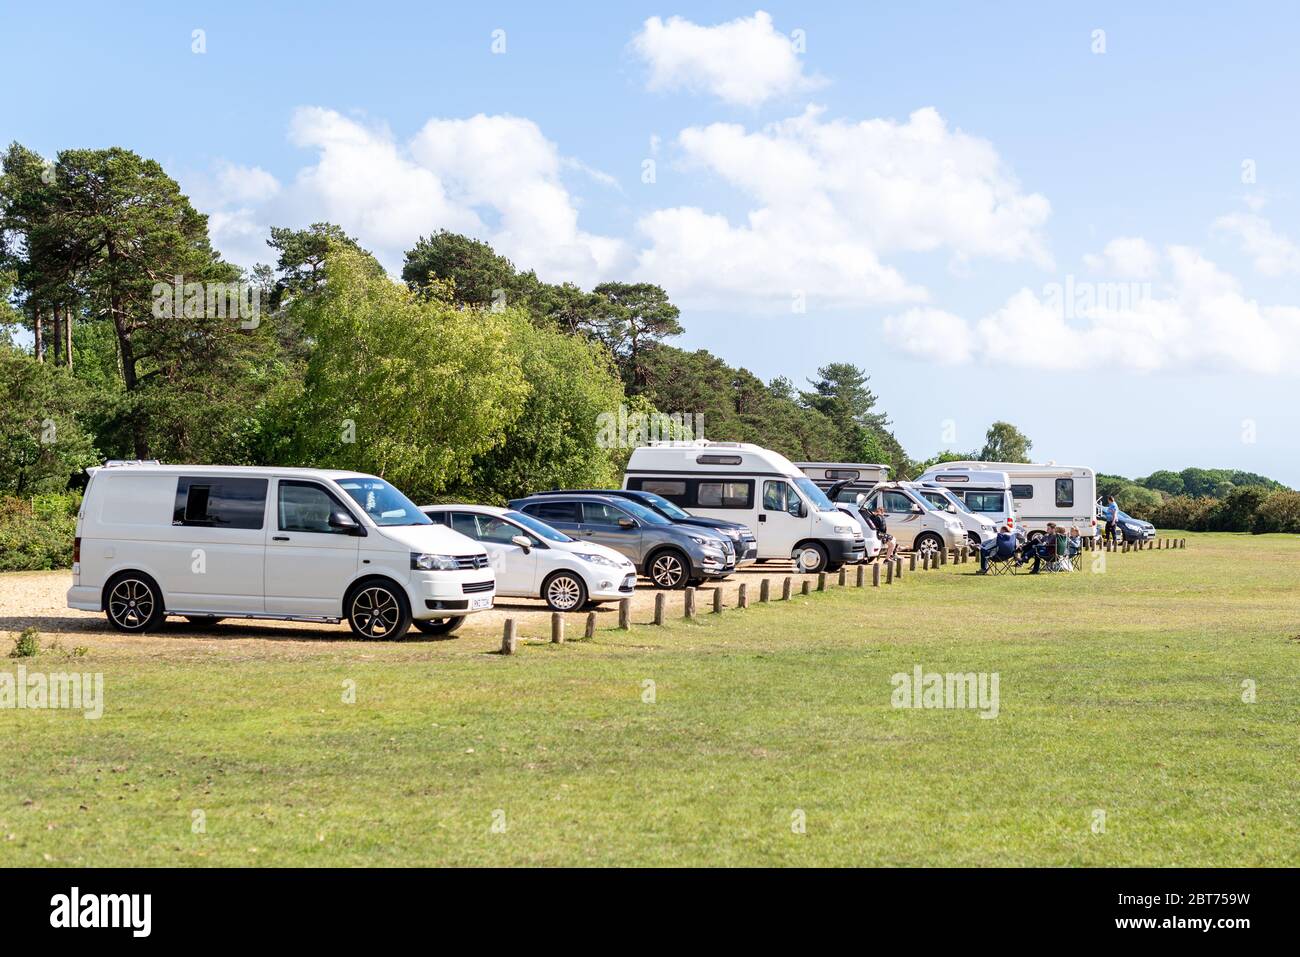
279,538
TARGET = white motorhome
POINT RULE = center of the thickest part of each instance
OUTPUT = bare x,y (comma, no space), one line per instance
790,515
207,542
985,492
1045,492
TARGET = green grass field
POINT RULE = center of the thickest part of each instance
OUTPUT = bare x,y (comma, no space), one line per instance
1120,692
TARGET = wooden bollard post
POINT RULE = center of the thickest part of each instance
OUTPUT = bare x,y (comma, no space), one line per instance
925,562
742,596
911,562
862,575
898,567
943,556
717,600
875,575
821,581
785,590
889,573
688,603
764,590
1182,543
509,638
590,631
624,614
660,600
844,576
557,628
806,588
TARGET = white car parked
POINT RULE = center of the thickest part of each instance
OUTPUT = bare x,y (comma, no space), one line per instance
533,560
208,542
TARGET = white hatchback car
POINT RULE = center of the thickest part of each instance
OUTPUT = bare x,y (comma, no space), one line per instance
533,560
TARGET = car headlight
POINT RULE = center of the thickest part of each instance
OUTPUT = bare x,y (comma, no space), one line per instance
598,559
706,542
843,529
425,562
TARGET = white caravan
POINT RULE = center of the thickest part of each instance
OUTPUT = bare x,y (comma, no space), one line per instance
208,542
1047,492
984,492
790,515
533,560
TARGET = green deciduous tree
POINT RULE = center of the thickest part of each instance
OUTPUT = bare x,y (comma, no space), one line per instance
1005,443
42,444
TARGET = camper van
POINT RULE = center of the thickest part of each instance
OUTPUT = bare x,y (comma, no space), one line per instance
207,542
790,515
978,528
1042,493
915,522
985,492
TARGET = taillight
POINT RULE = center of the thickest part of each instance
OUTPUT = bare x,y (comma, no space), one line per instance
1011,522
76,549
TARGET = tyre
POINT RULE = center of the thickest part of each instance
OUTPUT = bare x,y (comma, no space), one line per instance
439,626
928,543
133,603
669,569
378,610
811,557
564,591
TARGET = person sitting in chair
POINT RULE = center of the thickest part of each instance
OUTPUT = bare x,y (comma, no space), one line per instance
1043,548
1000,548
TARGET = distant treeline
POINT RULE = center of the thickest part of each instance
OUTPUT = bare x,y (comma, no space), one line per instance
1207,500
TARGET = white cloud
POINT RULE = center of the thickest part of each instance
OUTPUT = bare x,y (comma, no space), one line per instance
1126,257
744,62
931,334
1199,319
493,177
1273,254
830,197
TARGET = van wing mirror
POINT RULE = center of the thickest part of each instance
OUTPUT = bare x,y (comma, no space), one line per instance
915,509
341,521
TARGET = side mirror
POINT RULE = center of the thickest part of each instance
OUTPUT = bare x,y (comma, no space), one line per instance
951,508
524,542
344,523
915,509
626,523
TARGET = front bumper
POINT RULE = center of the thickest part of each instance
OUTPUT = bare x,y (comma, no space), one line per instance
1138,535
710,566
621,582
845,550
451,594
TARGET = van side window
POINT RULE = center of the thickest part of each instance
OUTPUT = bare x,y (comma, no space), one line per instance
305,507
1064,493
216,502
724,495
1022,492
554,511
774,493
671,489
896,502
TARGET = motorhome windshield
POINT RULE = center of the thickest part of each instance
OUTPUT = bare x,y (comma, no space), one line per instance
540,529
815,495
384,504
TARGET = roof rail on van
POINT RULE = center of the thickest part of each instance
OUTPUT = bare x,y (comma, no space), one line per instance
115,463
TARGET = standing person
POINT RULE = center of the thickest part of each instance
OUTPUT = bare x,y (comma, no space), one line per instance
877,520
1110,512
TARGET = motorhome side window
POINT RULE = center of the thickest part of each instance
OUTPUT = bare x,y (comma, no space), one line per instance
305,507
670,489
1064,493
220,502
724,494
1022,492
718,459
984,501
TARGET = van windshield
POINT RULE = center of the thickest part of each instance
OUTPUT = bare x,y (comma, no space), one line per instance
815,495
384,504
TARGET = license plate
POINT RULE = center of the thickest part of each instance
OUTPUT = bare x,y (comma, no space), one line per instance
478,604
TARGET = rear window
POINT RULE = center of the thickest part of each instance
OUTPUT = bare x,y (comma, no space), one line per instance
1022,492
205,502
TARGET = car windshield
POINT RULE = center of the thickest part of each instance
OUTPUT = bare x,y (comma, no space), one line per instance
540,529
659,503
815,495
647,515
384,504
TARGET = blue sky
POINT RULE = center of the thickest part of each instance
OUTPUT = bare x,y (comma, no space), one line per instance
923,181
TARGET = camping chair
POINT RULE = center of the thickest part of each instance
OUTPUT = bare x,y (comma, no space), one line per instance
1003,566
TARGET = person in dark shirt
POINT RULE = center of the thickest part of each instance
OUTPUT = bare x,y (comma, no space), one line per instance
1004,546
887,543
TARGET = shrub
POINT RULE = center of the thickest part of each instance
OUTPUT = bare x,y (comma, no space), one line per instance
1182,511
1280,512
36,534
27,644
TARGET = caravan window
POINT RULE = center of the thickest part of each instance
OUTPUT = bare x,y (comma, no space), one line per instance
1022,492
984,501
725,494
1064,493
839,475
668,488
220,502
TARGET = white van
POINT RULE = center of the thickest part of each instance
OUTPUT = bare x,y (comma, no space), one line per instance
978,529
790,515
208,542
1046,492
915,522
985,492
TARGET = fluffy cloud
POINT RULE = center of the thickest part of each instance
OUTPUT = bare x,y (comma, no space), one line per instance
1126,257
494,177
829,198
1198,319
1273,254
931,334
744,62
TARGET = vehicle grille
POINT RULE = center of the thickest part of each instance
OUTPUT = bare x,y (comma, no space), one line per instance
470,588
467,562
